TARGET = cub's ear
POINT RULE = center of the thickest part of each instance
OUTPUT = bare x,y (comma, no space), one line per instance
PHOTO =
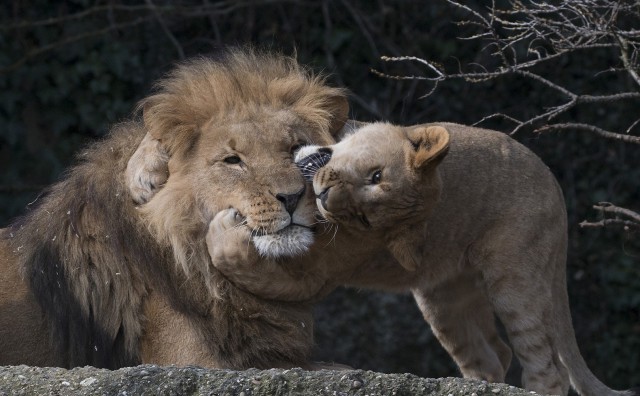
430,145
147,169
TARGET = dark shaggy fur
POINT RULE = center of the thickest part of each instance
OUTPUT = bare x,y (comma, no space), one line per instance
83,265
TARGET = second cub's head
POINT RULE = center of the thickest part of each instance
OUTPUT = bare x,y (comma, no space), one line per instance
379,176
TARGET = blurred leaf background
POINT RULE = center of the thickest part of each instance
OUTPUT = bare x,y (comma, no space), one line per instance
71,69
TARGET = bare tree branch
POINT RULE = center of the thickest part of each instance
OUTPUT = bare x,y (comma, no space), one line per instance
633,218
629,65
605,222
606,207
590,128
528,34
548,32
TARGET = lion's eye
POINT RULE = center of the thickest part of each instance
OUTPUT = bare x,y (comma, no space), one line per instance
232,159
376,177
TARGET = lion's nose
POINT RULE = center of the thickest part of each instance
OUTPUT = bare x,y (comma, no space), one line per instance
290,201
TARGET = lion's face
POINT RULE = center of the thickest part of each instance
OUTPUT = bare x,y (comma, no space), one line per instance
248,165
380,176
222,135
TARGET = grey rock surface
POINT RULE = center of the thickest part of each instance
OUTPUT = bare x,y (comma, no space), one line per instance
154,380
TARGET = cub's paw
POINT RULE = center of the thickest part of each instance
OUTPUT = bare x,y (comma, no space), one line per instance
225,220
147,170
228,241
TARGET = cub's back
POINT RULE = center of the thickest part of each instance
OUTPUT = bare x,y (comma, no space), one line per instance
490,181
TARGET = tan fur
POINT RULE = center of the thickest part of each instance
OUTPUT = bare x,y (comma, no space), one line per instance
88,277
487,225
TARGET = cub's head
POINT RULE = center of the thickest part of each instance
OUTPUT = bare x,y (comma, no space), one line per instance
380,177
222,134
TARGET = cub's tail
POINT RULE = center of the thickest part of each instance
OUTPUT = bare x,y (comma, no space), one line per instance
582,379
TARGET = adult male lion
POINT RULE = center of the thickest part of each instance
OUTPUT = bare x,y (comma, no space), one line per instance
87,278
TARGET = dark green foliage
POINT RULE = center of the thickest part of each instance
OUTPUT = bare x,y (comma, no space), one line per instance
64,81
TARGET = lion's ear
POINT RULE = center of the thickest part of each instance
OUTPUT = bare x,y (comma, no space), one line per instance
147,169
169,120
430,145
339,108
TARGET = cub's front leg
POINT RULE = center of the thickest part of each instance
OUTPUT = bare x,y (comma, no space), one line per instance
233,253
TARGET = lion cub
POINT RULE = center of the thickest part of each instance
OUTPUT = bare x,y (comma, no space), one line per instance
477,219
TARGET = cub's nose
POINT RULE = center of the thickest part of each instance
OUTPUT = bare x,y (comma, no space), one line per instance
323,198
290,201
310,164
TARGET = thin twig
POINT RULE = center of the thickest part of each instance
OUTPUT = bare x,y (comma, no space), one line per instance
606,222
607,207
589,128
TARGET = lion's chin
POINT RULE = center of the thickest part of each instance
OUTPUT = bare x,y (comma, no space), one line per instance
290,241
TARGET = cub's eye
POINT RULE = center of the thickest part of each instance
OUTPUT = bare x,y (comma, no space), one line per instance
232,159
376,177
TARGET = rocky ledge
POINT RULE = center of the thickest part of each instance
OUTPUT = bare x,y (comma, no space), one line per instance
154,380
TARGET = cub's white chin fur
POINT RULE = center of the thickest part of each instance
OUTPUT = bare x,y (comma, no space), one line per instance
288,242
